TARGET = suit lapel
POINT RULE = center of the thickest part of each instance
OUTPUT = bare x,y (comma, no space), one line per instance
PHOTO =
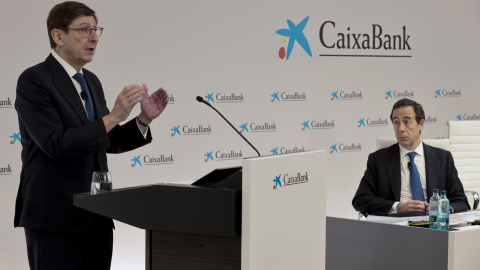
65,86
432,166
393,171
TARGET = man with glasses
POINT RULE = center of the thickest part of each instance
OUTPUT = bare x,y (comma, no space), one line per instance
66,131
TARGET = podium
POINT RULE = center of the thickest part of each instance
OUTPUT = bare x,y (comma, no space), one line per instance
273,217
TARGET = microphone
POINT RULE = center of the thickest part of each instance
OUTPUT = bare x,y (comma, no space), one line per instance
409,164
200,99
83,95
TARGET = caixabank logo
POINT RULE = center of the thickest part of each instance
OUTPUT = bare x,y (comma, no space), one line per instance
224,97
341,40
6,170
289,179
341,95
430,119
317,124
399,94
15,137
254,127
171,99
6,103
287,150
372,122
179,130
288,96
467,117
159,159
345,147
444,93
220,155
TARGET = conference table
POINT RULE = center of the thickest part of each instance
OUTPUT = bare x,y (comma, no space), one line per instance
381,243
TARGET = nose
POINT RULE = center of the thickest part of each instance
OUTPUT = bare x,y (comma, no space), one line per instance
94,37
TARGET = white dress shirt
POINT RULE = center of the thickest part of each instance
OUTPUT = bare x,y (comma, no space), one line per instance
406,190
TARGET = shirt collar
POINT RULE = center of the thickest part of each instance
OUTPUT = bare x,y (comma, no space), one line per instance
418,150
68,68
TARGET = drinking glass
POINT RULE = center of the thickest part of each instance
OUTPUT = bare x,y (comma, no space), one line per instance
101,182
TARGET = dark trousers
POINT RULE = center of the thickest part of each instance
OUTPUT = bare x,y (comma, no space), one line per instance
90,250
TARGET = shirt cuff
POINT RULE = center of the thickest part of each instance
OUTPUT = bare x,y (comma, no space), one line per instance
394,208
146,131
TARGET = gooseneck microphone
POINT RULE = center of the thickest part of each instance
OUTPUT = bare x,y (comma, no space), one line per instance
200,99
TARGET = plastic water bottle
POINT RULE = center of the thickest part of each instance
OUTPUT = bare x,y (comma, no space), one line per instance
433,209
443,211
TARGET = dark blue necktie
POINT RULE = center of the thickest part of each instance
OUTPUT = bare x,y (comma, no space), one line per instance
415,183
88,102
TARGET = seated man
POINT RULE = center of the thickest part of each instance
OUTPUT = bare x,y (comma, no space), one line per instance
398,181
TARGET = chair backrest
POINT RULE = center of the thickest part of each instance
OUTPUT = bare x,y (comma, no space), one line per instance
465,148
440,143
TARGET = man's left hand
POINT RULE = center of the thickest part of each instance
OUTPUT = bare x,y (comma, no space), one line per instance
153,105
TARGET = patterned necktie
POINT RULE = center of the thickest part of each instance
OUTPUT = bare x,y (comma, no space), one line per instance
88,102
415,184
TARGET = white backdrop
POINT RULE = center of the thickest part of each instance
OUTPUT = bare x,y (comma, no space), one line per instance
230,48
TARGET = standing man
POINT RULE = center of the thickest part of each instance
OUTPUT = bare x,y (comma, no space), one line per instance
402,177
66,131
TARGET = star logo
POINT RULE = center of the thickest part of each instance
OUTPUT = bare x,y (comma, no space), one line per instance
175,130
208,156
15,137
305,125
294,33
136,160
388,94
437,93
277,181
334,95
244,127
274,151
361,122
459,117
275,96
209,97
334,148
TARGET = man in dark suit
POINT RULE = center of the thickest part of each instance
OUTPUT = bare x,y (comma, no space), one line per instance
386,185
66,131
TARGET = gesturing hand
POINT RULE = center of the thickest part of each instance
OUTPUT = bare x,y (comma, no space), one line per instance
126,100
153,105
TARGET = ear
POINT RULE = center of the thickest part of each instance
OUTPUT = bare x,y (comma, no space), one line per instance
422,124
57,36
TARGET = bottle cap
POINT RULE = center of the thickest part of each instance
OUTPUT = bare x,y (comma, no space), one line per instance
444,192
435,190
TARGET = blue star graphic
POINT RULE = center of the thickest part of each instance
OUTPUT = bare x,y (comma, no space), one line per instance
208,156
334,95
209,97
295,33
136,160
361,122
334,148
275,96
389,94
437,93
277,181
459,117
305,125
244,127
15,137
175,130
274,151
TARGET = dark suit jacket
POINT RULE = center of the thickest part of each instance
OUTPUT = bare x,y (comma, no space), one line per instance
380,186
61,147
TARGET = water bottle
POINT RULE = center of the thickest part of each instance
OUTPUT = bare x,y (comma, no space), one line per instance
443,212
433,209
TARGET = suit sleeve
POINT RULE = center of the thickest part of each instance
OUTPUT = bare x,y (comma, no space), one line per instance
367,199
456,194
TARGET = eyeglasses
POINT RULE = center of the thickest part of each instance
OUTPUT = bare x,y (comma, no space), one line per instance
87,31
